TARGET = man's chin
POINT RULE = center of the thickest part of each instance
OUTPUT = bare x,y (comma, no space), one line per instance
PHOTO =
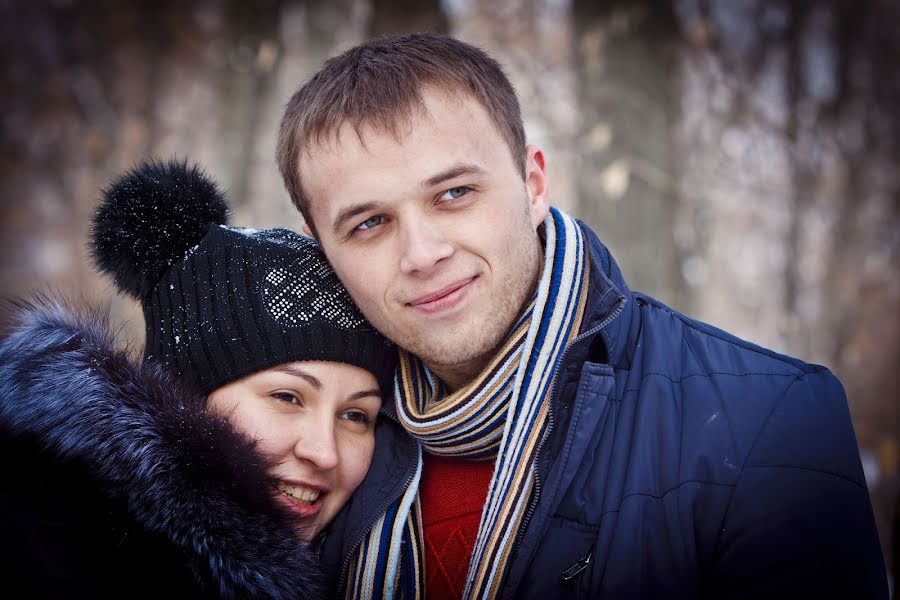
457,350
457,360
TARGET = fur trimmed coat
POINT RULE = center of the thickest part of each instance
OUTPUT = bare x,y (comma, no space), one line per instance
117,482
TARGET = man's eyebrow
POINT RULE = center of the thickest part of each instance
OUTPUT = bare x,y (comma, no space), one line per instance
349,212
297,372
452,172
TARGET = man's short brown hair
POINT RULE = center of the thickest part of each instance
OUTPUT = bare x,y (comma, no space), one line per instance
379,84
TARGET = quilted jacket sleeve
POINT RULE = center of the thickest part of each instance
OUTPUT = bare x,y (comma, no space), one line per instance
800,523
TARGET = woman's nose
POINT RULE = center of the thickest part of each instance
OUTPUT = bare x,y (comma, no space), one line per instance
317,444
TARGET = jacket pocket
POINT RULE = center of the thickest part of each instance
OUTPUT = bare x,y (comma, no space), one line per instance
564,562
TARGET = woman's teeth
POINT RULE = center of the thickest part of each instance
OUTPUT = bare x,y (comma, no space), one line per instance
296,492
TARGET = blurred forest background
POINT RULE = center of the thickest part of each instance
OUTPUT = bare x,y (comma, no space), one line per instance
739,157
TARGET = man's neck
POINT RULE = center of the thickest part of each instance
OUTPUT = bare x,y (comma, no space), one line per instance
455,377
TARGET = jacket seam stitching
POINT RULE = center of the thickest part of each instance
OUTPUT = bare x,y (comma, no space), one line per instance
799,468
713,373
597,526
765,425
662,495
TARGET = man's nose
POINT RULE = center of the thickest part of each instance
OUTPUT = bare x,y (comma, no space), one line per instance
317,444
424,246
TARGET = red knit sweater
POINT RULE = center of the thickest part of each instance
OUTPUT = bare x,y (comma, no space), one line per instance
452,493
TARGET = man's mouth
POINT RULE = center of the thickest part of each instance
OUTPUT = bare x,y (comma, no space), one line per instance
445,295
299,493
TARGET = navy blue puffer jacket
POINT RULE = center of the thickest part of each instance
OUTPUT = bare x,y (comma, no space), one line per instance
681,462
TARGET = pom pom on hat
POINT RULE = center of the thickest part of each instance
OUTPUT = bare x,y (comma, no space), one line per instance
149,218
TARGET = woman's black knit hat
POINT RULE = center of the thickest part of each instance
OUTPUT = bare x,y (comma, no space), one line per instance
220,302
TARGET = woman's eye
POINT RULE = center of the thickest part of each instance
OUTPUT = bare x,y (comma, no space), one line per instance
357,416
455,193
287,397
370,223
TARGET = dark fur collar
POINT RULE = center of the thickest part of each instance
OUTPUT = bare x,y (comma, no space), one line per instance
184,473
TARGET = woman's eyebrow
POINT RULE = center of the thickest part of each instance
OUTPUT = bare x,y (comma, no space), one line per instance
365,394
298,372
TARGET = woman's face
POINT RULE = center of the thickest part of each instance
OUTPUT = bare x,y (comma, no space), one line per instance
316,419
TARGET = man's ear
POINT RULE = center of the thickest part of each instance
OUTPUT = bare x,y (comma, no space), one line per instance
536,184
307,231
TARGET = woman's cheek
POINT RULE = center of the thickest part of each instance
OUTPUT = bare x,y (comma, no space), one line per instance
359,453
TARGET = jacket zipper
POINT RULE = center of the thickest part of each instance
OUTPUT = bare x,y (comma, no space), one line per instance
576,569
535,497
342,582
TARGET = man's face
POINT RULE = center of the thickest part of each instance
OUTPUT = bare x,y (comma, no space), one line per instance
434,234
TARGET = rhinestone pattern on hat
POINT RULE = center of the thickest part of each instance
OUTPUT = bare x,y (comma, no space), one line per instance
306,289
293,298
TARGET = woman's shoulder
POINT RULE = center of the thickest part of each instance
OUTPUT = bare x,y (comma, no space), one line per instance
65,535
145,464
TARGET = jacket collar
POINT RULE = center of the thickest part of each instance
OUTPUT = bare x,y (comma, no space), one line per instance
610,311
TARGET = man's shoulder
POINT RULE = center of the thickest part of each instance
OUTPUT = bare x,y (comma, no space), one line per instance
702,370
716,385
692,348
650,332
714,405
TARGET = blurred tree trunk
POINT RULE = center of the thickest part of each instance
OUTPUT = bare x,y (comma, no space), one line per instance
628,97
532,40
792,133
305,34
101,86
842,302
390,17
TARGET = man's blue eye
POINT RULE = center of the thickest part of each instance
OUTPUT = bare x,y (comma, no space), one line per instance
455,193
370,222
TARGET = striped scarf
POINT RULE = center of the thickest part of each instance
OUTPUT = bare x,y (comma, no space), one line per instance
502,414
